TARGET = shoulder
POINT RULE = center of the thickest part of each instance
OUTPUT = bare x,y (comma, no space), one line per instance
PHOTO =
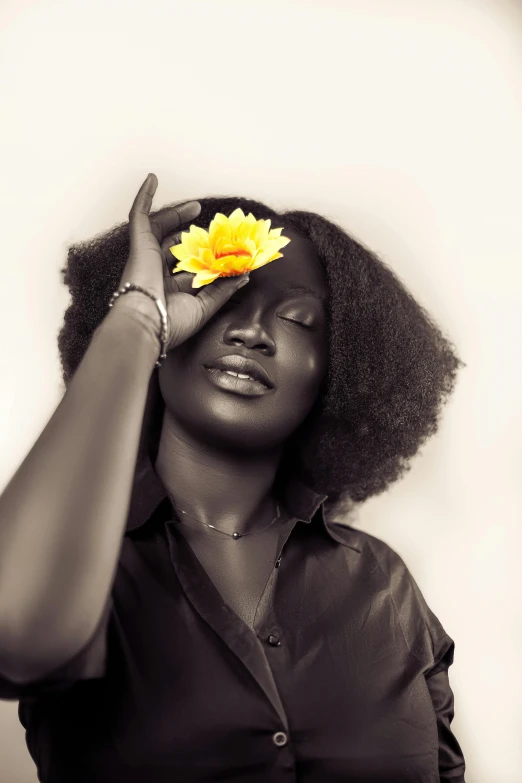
390,575
369,546
378,557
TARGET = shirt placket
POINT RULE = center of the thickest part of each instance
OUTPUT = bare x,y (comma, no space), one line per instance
249,647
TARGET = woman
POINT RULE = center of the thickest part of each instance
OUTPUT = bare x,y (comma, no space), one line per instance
166,615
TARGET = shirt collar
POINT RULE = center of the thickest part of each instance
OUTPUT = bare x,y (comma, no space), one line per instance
148,491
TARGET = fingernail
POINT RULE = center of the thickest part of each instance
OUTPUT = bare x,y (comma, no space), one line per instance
244,282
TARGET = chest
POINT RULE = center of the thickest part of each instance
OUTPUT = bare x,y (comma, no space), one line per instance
188,683
239,570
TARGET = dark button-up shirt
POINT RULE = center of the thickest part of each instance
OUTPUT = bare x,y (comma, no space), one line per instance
344,676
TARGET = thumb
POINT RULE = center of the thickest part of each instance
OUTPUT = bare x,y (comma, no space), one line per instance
212,296
187,313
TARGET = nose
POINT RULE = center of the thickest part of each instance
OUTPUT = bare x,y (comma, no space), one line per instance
249,331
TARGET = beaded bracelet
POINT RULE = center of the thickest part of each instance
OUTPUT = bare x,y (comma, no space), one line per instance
161,307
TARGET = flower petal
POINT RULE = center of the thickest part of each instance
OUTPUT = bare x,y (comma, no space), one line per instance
203,278
232,246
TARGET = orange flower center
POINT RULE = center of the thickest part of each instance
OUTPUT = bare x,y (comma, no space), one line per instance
232,253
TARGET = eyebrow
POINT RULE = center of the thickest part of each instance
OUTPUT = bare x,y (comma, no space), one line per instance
304,289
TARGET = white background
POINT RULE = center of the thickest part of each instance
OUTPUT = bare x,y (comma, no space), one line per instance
399,119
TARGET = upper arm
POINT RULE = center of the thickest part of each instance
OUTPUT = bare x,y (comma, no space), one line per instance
452,765
88,663
434,647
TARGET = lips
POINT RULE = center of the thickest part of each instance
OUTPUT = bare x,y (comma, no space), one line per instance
239,364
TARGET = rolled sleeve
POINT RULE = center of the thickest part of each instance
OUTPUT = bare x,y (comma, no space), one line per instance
451,759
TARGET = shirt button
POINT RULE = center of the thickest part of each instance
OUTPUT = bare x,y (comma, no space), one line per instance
274,640
278,562
280,738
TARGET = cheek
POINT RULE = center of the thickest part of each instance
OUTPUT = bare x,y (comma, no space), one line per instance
302,373
308,359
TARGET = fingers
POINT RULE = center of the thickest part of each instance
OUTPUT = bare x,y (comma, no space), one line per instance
170,219
188,315
169,241
211,297
139,221
181,282
165,220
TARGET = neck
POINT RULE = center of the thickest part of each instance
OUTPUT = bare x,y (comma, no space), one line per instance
233,491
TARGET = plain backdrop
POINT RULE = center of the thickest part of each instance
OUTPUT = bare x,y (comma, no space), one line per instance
399,119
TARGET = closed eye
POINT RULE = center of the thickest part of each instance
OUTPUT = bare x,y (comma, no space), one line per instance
292,320
299,323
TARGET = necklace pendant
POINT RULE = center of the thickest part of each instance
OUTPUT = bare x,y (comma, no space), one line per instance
236,535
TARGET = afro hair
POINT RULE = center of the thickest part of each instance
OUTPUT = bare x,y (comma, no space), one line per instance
390,367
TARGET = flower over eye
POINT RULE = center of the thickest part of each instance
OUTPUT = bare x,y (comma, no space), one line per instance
232,246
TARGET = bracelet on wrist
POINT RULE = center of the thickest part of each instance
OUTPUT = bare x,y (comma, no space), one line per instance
159,304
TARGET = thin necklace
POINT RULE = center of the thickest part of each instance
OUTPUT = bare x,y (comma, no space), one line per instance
231,535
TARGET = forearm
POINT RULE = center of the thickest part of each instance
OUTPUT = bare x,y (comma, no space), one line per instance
63,513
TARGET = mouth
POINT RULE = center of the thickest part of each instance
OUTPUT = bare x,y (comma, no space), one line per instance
242,367
231,381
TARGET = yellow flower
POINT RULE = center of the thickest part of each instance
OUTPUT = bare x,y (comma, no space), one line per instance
232,246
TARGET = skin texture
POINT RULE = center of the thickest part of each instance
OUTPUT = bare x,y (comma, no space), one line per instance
218,450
